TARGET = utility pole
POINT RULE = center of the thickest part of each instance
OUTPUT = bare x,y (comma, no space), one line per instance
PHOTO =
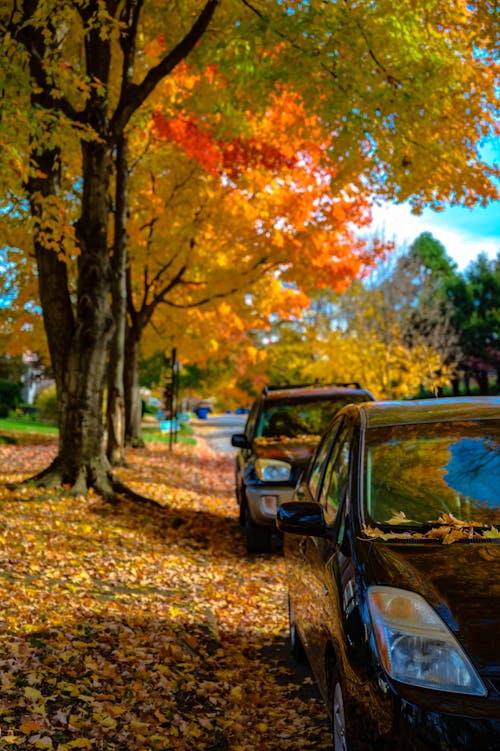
171,396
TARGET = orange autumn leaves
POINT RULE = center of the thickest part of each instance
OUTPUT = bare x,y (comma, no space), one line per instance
232,157
236,228
143,626
278,203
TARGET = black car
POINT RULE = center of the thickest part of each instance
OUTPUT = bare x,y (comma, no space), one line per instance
281,432
392,549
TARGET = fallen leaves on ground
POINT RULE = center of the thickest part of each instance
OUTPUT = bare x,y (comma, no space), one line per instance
140,627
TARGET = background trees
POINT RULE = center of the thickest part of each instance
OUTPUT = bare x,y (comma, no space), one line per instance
415,326
475,301
239,219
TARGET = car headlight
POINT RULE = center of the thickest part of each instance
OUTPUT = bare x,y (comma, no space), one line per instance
273,470
415,646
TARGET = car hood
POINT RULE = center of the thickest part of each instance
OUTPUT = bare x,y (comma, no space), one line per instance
294,450
461,581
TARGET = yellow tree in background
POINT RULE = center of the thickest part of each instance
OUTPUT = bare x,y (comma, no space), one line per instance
372,334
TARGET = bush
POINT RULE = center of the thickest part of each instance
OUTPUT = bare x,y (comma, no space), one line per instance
47,405
4,410
10,394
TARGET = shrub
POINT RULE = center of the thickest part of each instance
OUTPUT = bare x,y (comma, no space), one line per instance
4,410
10,394
47,404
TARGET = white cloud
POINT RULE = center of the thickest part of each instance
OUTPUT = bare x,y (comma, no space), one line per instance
465,233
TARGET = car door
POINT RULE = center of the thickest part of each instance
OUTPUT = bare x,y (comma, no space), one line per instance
325,561
296,545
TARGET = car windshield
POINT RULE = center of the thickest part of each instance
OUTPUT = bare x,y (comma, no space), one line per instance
293,419
416,474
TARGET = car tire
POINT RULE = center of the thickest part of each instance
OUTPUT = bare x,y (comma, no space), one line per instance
342,737
258,539
296,645
339,726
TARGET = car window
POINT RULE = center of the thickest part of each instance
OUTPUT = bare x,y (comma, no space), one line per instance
336,475
250,423
306,417
319,460
423,473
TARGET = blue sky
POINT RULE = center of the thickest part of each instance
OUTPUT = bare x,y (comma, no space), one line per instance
464,232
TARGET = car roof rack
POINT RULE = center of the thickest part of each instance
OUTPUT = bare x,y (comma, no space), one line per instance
317,384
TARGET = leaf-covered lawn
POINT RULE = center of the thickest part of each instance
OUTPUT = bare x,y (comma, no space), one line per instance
137,627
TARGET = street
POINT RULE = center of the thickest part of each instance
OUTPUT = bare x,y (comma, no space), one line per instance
217,430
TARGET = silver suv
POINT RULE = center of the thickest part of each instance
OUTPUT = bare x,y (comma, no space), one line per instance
282,430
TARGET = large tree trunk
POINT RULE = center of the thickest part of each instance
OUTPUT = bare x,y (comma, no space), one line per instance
78,342
82,431
78,327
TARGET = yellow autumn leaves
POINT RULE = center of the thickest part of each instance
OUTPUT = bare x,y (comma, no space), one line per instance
142,626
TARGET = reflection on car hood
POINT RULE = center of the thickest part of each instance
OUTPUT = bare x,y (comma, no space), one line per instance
461,581
297,451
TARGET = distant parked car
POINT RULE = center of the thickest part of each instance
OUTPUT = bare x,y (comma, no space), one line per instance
282,429
392,549
203,409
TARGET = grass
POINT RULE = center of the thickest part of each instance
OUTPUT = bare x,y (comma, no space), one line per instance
23,430
184,435
25,425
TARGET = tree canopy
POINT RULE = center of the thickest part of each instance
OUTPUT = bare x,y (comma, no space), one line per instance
377,100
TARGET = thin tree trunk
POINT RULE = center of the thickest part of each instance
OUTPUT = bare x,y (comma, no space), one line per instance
133,406
482,380
116,399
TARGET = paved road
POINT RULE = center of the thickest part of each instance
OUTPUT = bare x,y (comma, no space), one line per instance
217,430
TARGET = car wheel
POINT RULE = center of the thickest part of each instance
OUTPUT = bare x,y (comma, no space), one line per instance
341,722
339,727
297,647
258,539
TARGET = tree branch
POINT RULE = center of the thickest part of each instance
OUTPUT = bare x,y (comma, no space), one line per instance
133,95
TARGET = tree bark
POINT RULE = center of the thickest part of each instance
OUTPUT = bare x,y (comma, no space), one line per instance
133,406
116,399
81,451
78,340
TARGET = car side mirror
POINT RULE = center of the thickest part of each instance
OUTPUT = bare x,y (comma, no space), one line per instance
240,441
301,518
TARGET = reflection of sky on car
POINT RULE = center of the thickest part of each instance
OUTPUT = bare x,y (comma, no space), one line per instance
474,469
425,475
